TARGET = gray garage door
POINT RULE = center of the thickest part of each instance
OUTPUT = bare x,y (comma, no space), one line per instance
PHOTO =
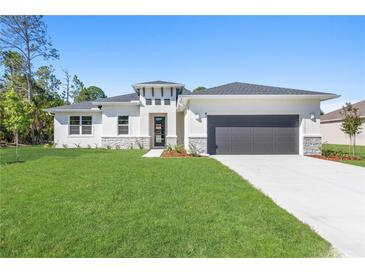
253,134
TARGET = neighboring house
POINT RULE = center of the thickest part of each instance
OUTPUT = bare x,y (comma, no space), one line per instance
331,127
235,118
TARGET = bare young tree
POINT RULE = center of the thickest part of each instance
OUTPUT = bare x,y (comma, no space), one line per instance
67,86
26,35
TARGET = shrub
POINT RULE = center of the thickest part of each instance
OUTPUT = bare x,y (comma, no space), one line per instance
96,145
130,146
169,147
46,146
77,145
89,146
54,144
117,146
340,154
179,148
108,147
139,144
64,146
194,151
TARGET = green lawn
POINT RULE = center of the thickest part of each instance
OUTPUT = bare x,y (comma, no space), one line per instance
360,152
114,203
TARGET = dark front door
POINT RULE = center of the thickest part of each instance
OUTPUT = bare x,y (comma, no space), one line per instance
159,131
253,134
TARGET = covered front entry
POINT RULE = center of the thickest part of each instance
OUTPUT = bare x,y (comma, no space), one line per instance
253,134
159,132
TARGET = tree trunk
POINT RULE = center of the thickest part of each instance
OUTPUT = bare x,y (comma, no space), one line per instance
354,145
350,144
16,146
29,81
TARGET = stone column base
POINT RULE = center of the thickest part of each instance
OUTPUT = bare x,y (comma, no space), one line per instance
201,143
311,145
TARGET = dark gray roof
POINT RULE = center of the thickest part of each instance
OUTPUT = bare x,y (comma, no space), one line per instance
158,82
336,114
238,88
120,98
82,105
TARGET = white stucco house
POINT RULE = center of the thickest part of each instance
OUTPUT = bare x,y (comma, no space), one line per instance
235,118
331,127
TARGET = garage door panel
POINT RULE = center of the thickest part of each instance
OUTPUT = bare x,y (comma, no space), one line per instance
253,134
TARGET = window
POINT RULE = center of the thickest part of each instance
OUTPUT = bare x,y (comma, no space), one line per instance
172,92
86,125
148,102
153,92
144,92
80,125
157,102
123,124
161,92
167,102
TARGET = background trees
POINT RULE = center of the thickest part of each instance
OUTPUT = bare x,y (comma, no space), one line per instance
89,94
24,39
200,88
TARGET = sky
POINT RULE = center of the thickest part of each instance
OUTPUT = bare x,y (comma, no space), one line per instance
323,53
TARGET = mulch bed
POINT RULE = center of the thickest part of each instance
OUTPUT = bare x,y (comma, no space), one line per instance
174,154
335,158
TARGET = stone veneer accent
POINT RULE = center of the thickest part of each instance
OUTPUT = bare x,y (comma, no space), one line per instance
201,144
125,142
311,145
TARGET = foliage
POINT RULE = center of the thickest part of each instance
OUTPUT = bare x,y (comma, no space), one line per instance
91,93
110,203
351,124
169,147
16,117
65,146
139,144
27,35
193,150
77,145
179,148
360,152
200,88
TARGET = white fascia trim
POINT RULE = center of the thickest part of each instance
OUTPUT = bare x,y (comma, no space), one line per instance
184,98
131,103
71,110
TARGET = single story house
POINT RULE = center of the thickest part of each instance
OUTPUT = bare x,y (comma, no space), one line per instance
331,127
235,118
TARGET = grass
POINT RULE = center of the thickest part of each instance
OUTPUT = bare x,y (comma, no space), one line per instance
114,203
359,152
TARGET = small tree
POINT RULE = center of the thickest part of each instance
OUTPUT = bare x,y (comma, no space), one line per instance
16,116
351,124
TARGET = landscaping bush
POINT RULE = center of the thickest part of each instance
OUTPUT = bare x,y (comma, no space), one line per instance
179,148
194,151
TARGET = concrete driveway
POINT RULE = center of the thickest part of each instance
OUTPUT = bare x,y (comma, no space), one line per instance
328,196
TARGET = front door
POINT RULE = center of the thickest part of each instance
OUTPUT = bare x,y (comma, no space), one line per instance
159,131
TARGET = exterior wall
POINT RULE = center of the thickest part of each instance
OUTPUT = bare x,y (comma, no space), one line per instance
110,120
180,127
332,134
61,130
198,109
169,111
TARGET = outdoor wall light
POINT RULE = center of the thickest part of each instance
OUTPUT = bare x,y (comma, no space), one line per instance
312,115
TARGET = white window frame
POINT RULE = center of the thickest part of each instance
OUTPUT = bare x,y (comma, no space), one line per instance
129,124
80,126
